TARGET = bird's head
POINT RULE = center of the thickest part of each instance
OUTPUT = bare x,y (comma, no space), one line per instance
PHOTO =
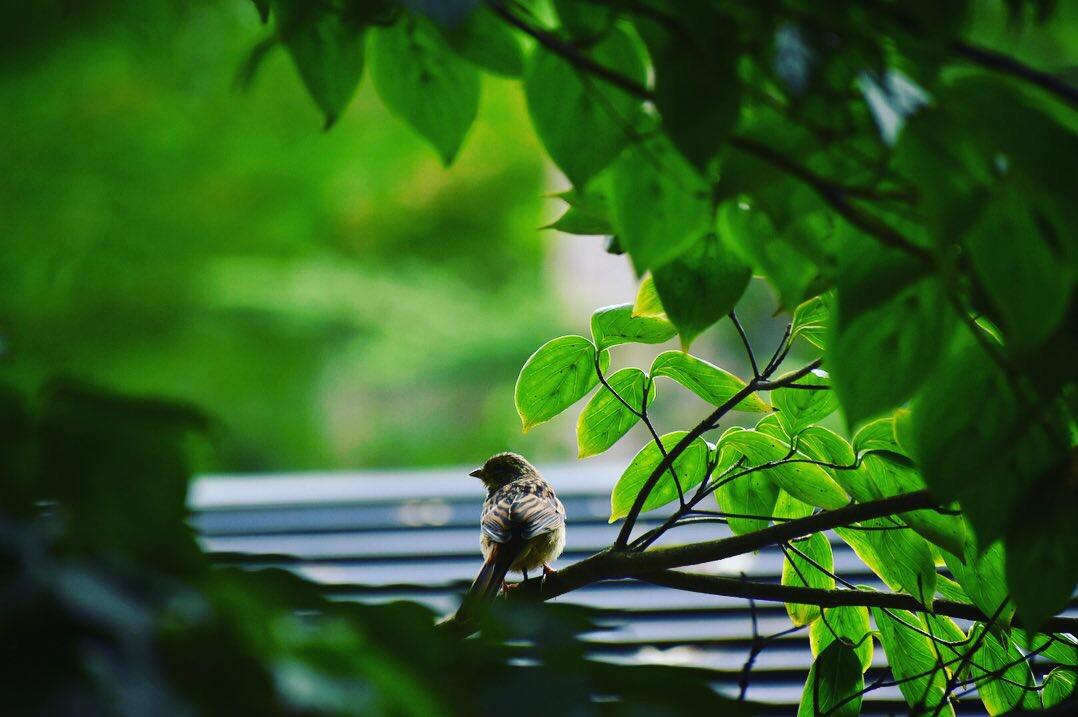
504,468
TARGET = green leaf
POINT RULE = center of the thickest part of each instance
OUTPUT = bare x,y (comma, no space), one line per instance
583,121
899,556
848,623
751,494
697,89
822,444
555,377
799,408
833,681
892,474
422,81
660,203
1003,693
605,419
1059,648
707,381
878,435
1019,270
799,571
690,468
811,320
613,325
701,286
579,222
804,481
881,356
911,656
750,232
647,299
981,578
1043,575
327,48
790,508
977,443
488,42
1058,686
585,22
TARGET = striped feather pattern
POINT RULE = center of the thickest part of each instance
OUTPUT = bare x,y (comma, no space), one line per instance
527,506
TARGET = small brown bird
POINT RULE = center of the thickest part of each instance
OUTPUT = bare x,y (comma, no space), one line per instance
522,527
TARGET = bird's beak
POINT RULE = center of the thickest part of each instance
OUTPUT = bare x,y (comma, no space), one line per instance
478,473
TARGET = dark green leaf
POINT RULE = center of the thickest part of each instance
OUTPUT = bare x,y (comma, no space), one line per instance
584,21
576,221
660,203
981,578
583,121
697,89
327,47
799,408
555,377
707,381
848,623
605,419
425,83
879,358
834,684
750,232
976,442
690,468
701,286
612,325
488,42
799,571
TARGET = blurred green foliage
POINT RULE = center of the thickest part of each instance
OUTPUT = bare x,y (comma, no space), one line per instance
169,235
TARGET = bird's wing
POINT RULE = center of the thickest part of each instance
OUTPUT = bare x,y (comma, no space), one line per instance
526,507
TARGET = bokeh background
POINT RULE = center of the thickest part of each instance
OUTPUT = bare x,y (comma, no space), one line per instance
332,299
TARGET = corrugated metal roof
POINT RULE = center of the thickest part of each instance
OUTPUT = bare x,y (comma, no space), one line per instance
387,535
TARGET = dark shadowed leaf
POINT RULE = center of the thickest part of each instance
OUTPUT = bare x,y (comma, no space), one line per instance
701,286
425,83
326,44
660,203
583,121
488,42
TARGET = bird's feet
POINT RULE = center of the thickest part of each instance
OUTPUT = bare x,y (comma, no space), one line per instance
507,587
547,570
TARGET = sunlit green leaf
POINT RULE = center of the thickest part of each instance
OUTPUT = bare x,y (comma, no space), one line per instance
605,419
555,377
982,579
912,659
612,325
701,286
848,623
799,408
812,318
425,83
804,481
834,684
899,556
647,301
800,571
707,381
748,495
1005,679
690,468
1058,686
583,121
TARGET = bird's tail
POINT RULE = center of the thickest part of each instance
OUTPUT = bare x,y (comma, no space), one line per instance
489,580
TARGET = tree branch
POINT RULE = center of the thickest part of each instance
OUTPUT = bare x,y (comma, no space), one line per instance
1010,66
732,587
